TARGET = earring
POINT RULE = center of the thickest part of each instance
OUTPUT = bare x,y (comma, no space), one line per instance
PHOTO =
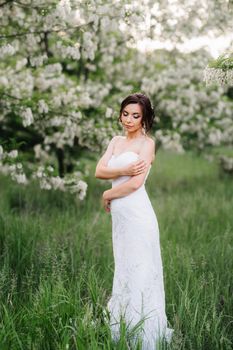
143,129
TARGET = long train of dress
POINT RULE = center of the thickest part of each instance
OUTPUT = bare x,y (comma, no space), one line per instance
138,286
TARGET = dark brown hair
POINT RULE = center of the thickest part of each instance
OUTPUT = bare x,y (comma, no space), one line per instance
148,113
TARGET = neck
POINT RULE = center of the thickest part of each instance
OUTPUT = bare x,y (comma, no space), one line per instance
134,135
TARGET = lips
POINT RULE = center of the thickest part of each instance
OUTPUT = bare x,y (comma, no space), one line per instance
129,126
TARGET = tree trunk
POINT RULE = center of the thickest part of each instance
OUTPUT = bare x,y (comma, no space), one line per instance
60,159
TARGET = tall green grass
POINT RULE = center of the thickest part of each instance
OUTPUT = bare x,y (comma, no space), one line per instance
56,260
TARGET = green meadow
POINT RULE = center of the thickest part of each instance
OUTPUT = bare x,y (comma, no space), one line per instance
56,259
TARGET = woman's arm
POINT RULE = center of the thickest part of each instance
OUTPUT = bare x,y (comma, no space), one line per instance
121,190
105,172
147,153
102,170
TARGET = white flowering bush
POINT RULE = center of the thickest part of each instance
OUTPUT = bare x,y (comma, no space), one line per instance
65,67
56,73
220,71
189,114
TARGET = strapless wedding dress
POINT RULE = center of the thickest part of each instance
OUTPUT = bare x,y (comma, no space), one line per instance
138,286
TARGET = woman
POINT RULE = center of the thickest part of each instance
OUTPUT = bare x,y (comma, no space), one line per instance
138,296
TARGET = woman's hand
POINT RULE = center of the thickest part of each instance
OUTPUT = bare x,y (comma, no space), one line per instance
135,168
106,202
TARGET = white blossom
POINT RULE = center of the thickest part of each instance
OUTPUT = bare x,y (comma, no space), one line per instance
20,178
40,153
53,69
69,51
13,153
27,117
108,112
50,168
38,60
76,18
57,183
19,166
21,63
42,106
63,9
45,184
7,50
226,163
82,186
215,137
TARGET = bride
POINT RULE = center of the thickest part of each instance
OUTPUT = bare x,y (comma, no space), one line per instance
138,297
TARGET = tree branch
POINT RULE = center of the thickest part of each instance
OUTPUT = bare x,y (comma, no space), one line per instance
43,31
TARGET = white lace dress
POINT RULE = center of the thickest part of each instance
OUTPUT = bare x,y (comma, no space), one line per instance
138,286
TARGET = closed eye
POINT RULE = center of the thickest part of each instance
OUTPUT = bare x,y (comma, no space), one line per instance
136,116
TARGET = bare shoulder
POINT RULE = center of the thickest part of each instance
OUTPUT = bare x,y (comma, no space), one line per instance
115,138
150,142
121,137
148,145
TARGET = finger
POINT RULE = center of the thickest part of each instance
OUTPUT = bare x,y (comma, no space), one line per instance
138,172
140,162
107,205
141,168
